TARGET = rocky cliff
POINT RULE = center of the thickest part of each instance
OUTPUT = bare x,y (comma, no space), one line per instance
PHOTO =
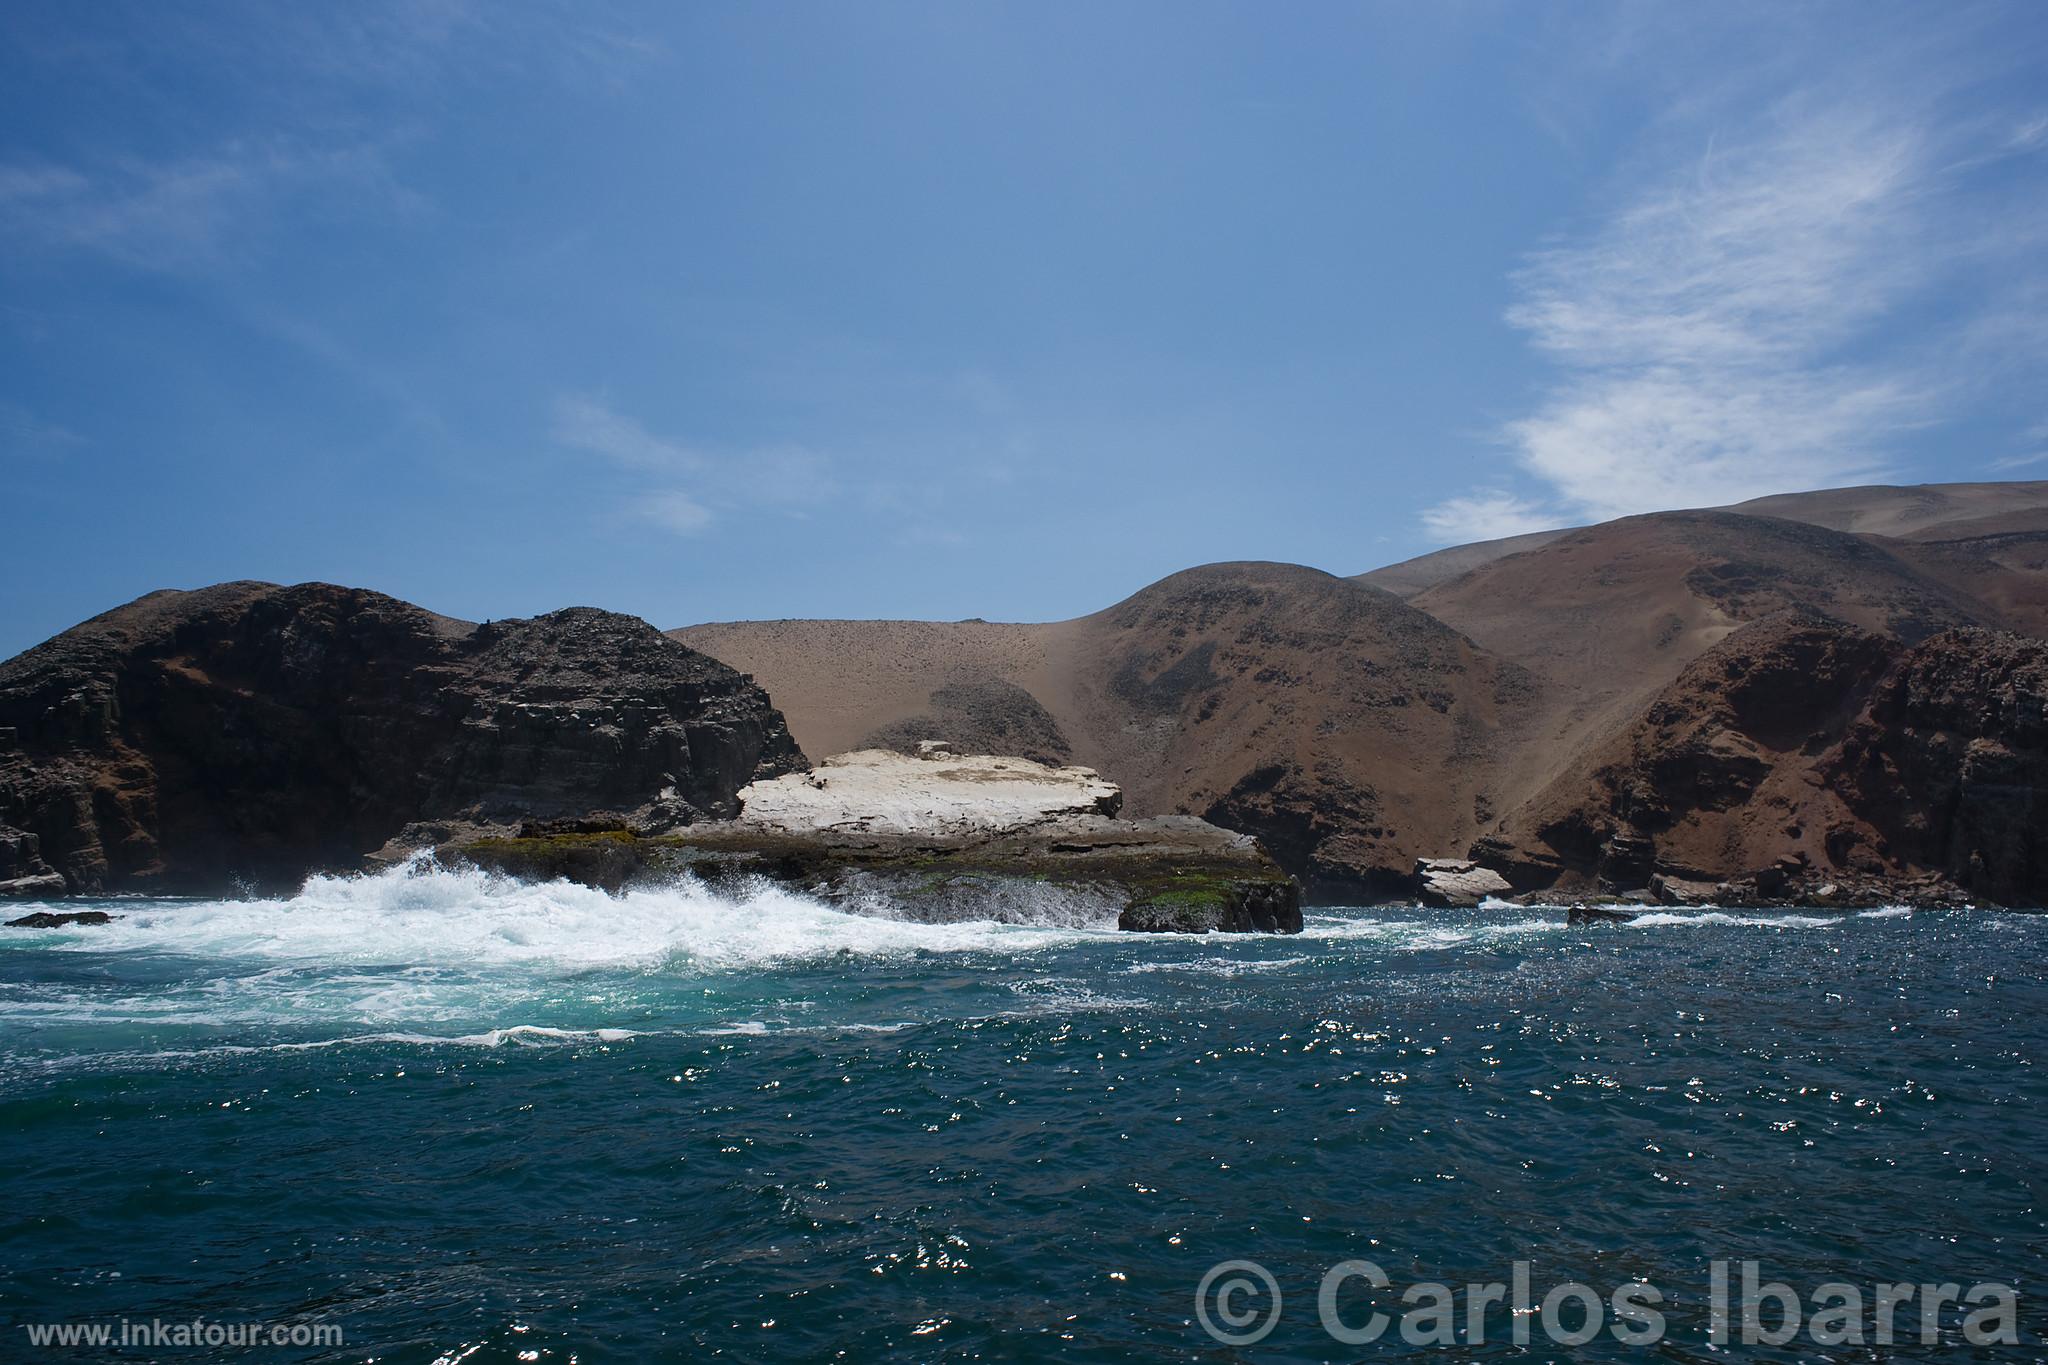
249,733
1947,763
1804,758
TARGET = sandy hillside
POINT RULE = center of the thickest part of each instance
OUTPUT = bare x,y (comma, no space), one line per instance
1353,730
1349,730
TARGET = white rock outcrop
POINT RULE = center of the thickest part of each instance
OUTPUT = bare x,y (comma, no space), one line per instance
936,794
1458,881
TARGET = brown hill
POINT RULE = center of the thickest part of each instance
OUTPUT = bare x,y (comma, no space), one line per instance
1611,614
845,684
1353,731
1350,731
2001,561
1423,572
1630,622
1899,509
1910,510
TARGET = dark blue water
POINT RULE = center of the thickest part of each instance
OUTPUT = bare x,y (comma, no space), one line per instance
458,1120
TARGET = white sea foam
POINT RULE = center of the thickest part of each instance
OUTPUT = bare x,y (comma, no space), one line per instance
1670,919
518,1035
1221,966
432,957
515,1035
424,916
1424,934
755,1028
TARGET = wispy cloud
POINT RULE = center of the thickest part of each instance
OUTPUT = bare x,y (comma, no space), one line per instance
585,423
681,488
22,433
192,212
1739,324
1485,516
674,511
2037,436
199,194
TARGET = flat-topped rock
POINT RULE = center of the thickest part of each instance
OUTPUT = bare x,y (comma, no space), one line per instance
942,836
1457,882
934,794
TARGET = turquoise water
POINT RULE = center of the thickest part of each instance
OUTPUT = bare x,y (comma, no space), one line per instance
462,1119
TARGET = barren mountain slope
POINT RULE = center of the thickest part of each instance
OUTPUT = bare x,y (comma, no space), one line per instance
1355,731
1424,572
1898,509
2000,560
1610,614
841,684
1350,731
1805,748
1873,509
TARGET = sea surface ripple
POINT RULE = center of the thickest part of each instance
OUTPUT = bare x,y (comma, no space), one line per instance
465,1119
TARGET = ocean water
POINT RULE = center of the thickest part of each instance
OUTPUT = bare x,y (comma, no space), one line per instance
461,1119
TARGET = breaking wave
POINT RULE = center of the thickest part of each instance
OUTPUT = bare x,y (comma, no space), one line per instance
426,956
424,915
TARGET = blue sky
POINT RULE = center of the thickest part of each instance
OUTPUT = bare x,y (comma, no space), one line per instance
712,311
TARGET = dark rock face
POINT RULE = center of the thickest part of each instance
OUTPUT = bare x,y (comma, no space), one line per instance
1319,824
1948,763
985,716
251,733
1806,760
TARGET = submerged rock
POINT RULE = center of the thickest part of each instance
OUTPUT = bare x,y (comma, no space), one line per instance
1580,912
942,836
48,919
1215,906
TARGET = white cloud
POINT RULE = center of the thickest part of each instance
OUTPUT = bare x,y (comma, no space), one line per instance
1777,310
685,489
1487,516
1700,327
193,212
673,511
2038,436
587,424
